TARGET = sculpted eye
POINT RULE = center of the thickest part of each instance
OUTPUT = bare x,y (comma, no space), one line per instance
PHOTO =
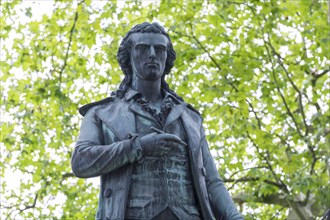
160,48
142,47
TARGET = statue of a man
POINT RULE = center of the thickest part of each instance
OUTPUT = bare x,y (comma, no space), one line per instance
147,144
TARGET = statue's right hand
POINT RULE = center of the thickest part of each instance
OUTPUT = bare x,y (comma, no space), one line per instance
159,143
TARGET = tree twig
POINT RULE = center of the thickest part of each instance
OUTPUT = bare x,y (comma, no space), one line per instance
278,181
252,179
292,83
281,95
69,45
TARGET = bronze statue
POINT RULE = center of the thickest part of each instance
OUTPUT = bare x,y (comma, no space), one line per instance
147,144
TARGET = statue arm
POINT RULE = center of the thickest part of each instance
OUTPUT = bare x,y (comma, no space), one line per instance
220,199
92,157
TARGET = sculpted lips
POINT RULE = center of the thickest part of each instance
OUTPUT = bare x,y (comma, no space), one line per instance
154,64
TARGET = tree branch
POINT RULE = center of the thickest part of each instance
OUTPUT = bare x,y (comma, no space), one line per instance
254,112
203,48
276,199
277,212
310,147
252,179
292,117
249,168
281,95
273,199
69,45
278,181
31,206
26,206
292,83
317,76
66,175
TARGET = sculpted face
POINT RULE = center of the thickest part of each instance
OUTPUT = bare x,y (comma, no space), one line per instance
148,55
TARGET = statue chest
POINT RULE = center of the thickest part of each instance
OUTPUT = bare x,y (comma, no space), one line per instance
162,181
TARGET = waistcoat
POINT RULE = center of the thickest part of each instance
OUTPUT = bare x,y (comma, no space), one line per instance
162,182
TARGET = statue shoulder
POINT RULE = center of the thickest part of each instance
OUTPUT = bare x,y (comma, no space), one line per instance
84,109
192,110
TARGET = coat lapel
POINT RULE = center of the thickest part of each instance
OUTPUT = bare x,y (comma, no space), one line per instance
175,113
138,109
192,124
118,118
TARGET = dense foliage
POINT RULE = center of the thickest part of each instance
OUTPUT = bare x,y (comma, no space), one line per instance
258,73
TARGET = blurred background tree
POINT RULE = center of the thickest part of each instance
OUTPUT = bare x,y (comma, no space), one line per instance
257,71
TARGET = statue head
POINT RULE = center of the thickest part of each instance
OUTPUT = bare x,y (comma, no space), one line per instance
124,54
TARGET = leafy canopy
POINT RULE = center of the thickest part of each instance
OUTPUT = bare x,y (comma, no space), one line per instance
257,71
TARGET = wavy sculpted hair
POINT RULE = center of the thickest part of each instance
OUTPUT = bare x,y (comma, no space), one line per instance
124,57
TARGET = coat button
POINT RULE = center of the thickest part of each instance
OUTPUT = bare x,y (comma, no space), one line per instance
107,193
203,171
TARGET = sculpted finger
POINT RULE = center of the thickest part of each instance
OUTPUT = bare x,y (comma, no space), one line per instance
151,134
169,137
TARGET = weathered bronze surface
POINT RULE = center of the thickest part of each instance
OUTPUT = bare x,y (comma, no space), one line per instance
148,145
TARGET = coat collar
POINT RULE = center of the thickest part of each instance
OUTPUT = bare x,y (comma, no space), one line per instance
175,113
133,94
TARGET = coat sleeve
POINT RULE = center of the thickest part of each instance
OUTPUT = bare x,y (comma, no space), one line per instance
91,157
221,202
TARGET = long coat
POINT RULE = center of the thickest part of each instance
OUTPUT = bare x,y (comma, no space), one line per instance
105,149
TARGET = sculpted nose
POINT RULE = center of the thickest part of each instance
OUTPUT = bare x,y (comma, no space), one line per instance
152,53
